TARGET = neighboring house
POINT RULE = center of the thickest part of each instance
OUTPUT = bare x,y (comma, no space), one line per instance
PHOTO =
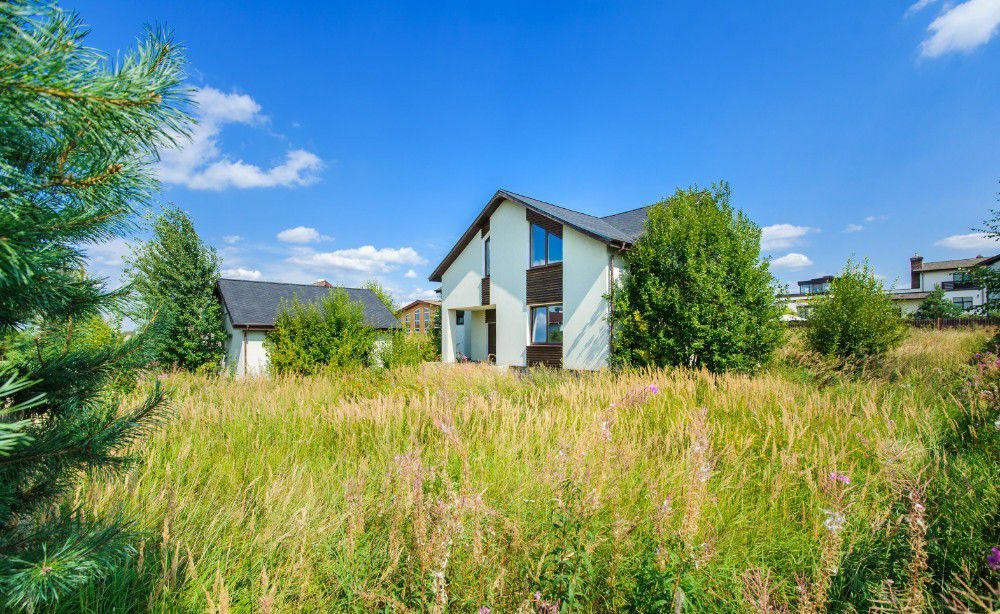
809,289
952,276
251,307
419,316
528,283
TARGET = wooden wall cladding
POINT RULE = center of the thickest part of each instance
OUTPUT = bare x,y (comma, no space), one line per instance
485,291
544,284
545,222
548,355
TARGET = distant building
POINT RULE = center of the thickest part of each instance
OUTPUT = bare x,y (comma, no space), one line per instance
419,316
251,307
952,276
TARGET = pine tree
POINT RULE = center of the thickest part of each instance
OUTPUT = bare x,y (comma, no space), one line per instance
78,136
174,276
696,292
936,306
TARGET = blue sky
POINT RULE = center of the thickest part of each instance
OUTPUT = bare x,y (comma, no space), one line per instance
351,140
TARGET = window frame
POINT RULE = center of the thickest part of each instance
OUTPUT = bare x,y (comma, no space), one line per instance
531,246
962,301
531,325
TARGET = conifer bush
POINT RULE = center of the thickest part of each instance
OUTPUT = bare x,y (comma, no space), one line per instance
78,137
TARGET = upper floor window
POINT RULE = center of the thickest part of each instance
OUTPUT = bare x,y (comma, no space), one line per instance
427,315
546,324
416,318
486,256
546,247
961,277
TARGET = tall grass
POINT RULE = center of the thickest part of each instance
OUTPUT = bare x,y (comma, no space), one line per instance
460,487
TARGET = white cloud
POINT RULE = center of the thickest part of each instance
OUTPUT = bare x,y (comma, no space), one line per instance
791,262
241,273
366,259
411,274
231,239
781,236
876,218
199,164
299,234
962,27
918,6
423,294
975,240
854,228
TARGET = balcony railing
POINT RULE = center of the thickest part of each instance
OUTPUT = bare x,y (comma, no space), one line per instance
958,285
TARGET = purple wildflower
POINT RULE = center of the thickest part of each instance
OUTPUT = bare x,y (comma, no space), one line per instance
653,388
840,477
485,610
993,559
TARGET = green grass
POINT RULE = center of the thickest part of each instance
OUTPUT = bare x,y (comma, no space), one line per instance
456,487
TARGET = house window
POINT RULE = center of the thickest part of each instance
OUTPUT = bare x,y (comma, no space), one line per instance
427,316
546,325
962,277
416,319
459,318
486,256
406,320
965,302
546,247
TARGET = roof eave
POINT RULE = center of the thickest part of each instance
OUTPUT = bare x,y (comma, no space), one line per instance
494,202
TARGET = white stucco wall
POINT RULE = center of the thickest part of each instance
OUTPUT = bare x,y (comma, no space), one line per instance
509,245
930,280
245,354
461,289
585,308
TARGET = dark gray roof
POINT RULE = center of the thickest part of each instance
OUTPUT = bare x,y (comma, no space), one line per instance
256,303
964,263
620,228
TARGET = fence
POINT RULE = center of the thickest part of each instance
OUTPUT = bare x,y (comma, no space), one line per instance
939,323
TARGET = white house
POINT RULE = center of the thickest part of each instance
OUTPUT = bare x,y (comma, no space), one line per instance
251,307
952,276
528,283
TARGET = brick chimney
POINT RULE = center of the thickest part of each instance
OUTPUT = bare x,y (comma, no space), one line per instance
322,283
916,263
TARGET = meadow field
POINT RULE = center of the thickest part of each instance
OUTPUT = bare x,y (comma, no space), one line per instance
463,488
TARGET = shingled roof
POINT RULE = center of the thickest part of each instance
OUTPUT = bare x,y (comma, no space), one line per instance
618,229
964,263
255,304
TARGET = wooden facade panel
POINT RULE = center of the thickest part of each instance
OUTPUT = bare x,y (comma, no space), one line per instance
545,222
485,291
548,355
544,284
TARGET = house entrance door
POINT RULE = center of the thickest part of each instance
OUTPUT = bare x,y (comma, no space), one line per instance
491,336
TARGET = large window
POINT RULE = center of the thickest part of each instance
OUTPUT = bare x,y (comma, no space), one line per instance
486,256
546,247
546,324
965,302
459,318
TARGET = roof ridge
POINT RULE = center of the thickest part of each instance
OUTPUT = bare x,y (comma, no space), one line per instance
291,283
545,202
629,210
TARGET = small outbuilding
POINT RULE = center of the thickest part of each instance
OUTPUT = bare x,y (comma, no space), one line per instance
251,308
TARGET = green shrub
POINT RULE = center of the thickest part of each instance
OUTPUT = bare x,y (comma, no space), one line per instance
404,349
309,337
937,306
697,292
856,320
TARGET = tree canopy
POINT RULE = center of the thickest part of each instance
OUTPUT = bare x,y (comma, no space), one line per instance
696,291
78,137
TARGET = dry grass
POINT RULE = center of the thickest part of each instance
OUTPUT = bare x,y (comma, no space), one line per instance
436,488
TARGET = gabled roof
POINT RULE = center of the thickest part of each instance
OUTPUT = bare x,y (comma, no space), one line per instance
256,303
963,263
619,229
419,301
